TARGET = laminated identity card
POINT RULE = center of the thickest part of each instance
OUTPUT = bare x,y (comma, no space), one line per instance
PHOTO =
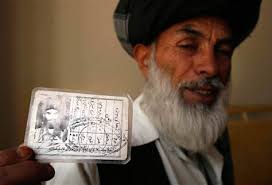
73,126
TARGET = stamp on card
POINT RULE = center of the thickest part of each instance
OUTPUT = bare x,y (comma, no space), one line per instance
74,126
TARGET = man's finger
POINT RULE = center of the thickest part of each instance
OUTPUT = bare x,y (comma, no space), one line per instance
12,156
26,172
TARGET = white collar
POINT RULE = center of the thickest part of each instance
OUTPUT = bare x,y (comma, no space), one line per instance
143,131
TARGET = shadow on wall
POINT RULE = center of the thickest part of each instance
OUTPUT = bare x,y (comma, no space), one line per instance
6,76
23,49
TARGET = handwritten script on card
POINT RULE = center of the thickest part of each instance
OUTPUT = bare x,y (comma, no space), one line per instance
67,125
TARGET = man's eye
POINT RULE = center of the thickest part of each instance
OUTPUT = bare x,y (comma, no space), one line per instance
188,46
224,52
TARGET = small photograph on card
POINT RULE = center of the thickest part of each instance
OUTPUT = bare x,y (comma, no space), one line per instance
73,126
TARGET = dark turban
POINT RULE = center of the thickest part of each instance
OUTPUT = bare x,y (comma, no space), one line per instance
141,21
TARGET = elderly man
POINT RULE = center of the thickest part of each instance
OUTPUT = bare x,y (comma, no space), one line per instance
183,49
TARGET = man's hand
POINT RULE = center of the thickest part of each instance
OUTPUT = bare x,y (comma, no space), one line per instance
18,167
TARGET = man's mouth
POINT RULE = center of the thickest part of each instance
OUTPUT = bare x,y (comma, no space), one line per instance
206,95
203,92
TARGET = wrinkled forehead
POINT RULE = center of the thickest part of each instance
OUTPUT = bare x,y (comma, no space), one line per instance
204,27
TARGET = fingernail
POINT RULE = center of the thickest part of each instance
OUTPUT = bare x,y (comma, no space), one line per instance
51,170
24,152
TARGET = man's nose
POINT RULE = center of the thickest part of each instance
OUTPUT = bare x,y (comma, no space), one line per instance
206,64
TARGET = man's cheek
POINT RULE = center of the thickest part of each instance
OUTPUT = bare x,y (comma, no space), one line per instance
225,74
166,68
226,78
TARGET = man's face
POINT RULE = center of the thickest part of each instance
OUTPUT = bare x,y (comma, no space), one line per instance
51,115
187,72
195,49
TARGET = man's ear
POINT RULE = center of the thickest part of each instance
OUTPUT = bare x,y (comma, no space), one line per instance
142,55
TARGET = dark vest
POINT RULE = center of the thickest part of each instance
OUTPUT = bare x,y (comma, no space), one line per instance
146,167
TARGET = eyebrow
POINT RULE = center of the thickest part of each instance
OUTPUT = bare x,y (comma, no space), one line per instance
226,40
188,29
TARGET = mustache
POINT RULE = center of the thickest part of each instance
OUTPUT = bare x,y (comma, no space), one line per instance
213,82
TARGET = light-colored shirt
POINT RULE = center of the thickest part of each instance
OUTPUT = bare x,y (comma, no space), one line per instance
181,168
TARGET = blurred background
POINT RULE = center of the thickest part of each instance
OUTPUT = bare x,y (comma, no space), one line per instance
71,44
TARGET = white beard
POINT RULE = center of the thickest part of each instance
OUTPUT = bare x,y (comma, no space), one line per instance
192,127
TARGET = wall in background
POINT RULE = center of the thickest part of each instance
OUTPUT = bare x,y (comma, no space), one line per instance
252,63
71,44
8,133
